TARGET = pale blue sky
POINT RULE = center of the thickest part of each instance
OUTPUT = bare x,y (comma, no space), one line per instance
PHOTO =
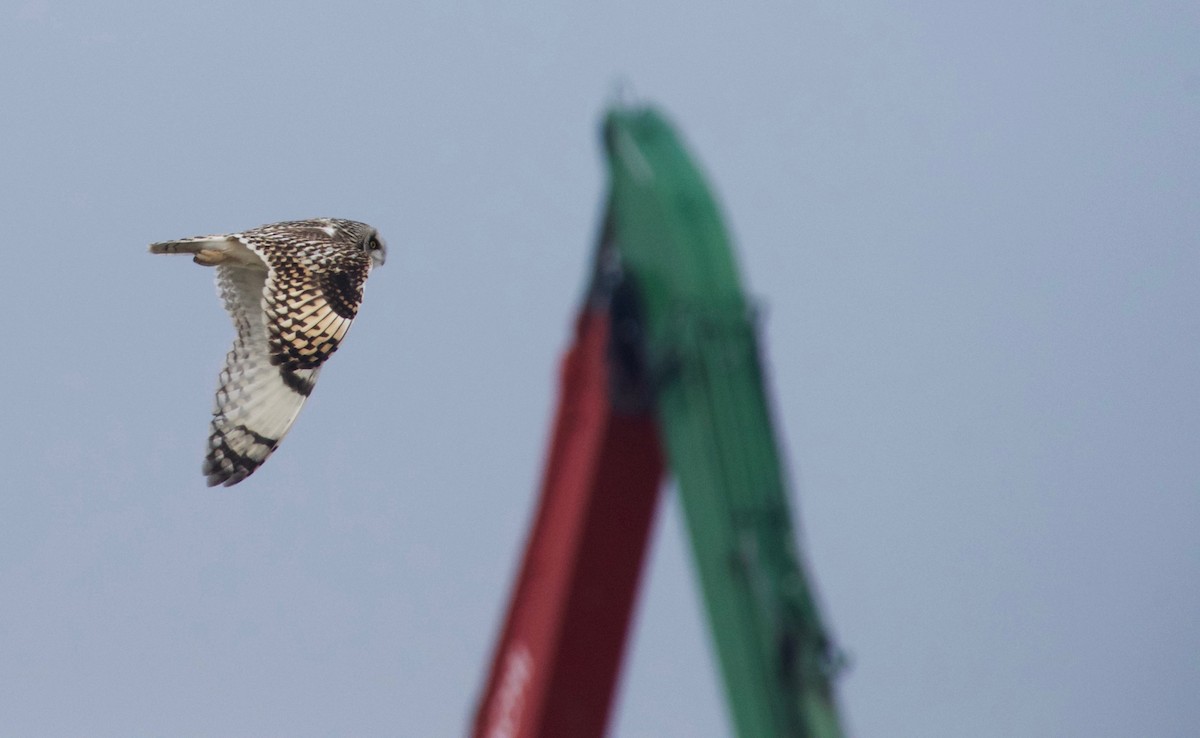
974,229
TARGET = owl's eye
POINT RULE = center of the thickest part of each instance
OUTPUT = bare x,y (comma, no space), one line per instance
373,244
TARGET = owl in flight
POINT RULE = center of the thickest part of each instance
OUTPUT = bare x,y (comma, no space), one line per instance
292,290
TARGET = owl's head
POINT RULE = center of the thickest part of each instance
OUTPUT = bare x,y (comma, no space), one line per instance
375,247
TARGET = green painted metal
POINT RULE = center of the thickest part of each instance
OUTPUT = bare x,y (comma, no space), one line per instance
701,348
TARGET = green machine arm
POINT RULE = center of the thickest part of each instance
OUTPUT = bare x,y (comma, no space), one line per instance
701,350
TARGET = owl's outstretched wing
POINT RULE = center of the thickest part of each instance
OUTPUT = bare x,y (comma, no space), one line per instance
290,318
255,405
309,309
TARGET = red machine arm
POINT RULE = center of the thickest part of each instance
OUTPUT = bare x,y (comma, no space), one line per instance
558,657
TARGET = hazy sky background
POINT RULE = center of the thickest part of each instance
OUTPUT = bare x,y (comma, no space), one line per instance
974,228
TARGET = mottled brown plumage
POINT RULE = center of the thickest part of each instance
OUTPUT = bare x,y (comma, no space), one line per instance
292,289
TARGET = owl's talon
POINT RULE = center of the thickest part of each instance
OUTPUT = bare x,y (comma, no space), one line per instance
209,257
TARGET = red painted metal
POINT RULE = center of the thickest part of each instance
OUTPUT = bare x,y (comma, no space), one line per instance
559,654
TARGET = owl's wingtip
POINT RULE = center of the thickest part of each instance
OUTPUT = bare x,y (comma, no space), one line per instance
218,479
221,475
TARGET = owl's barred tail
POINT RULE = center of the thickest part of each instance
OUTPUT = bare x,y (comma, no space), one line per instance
193,245
176,247
208,250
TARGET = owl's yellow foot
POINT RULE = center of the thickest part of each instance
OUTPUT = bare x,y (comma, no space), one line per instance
209,257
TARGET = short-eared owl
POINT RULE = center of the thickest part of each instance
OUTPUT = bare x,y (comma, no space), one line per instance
292,289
